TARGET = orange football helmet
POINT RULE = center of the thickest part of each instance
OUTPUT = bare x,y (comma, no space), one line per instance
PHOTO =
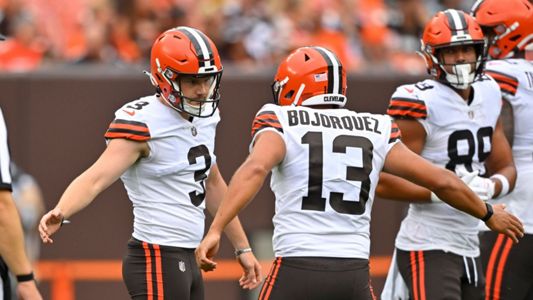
452,28
185,52
310,76
508,24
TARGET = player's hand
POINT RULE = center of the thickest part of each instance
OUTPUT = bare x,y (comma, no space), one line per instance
483,187
50,223
27,290
253,274
206,251
506,223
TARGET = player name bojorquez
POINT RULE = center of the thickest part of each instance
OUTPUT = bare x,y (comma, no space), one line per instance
302,117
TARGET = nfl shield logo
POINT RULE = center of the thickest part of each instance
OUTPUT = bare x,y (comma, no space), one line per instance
181,266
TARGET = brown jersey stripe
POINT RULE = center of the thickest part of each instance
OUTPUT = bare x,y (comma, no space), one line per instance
405,107
498,76
256,129
122,121
511,92
395,133
406,114
507,88
266,112
128,131
128,126
128,136
260,124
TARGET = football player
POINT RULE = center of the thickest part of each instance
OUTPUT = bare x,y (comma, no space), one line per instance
452,120
162,147
325,162
509,28
12,253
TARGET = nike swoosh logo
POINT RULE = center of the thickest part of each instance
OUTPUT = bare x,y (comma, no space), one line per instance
410,90
131,113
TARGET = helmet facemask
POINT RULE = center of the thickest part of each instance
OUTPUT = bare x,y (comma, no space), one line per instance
196,107
186,71
463,74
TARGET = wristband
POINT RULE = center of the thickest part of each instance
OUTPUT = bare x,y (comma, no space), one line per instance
64,221
25,277
505,184
489,213
241,251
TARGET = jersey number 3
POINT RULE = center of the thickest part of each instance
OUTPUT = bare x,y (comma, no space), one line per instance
314,199
199,175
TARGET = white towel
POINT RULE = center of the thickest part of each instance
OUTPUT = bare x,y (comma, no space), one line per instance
395,287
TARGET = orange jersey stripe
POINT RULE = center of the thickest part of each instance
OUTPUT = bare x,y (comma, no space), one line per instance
501,267
490,266
406,113
405,107
261,124
414,274
272,280
503,78
159,273
267,280
129,127
150,291
422,275
410,104
123,135
505,87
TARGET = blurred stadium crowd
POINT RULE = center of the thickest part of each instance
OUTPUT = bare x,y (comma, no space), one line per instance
251,34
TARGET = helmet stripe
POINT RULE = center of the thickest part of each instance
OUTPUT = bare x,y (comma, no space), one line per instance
475,7
201,46
334,70
457,21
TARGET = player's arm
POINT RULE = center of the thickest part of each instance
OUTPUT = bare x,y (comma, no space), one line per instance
216,188
11,239
500,161
394,187
12,246
119,155
401,161
267,152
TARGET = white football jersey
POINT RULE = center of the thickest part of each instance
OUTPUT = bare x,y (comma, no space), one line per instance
515,77
5,174
167,188
325,185
458,137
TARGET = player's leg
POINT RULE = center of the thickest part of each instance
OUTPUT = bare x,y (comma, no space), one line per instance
151,270
314,278
431,274
508,266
